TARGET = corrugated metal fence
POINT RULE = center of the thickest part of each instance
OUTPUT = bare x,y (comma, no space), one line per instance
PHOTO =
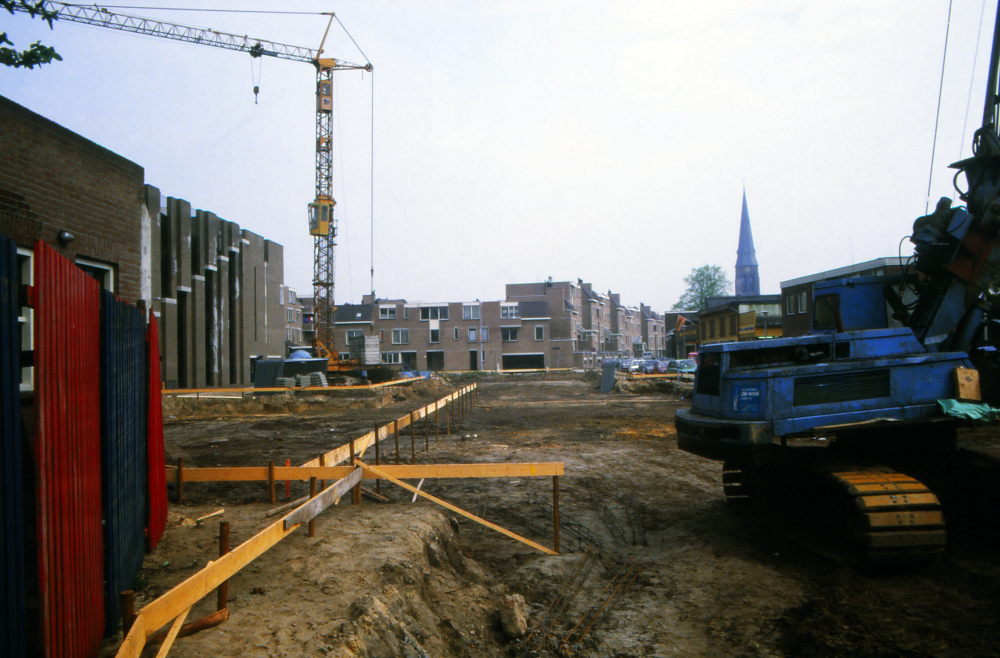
124,447
157,458
68,456
12,612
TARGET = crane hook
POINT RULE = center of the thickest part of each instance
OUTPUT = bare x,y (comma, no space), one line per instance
256,90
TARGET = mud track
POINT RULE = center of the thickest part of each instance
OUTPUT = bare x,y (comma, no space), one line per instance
404,579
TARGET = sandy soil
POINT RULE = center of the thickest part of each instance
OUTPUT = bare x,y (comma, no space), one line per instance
407,580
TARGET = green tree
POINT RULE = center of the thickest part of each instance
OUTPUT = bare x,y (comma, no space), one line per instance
37,54
703,282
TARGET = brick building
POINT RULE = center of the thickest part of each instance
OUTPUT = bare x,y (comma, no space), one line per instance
734,319
797,294
215,288
74,195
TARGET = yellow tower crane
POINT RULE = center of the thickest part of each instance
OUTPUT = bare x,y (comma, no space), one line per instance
322,223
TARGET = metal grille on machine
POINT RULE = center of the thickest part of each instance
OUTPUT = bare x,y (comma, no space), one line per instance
842,387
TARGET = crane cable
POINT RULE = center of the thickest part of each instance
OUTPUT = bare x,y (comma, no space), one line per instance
972,78
256,78
937,118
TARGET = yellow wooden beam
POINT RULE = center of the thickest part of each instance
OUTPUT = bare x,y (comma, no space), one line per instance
378,471
402,471
172,635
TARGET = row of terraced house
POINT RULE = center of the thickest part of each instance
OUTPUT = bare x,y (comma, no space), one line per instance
551,324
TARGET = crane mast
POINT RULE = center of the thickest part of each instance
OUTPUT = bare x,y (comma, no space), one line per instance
322,224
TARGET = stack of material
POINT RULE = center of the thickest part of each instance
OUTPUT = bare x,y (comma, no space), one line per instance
285,382
317,379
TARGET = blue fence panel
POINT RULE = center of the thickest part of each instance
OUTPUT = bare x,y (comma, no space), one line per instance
12,612
124,447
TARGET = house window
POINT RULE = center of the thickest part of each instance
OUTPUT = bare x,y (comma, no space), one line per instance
539,332
508,334
802,302
291,296
472,334
456,333
298,316
290,314
351,333
406,313
387,313
103,272
434,313
485,338
381,335
392,357
509,312
470,312
400,336
435,335
789,304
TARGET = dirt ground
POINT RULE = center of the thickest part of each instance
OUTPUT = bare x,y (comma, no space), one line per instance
687,572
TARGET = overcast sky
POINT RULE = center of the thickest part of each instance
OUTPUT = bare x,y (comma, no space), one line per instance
514,141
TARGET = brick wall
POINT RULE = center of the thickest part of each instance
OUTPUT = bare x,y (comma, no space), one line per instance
52,179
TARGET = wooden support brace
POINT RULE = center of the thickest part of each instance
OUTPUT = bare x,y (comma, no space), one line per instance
395,430
378,459
437,425
413,442
175,628
192,627
329,496
457,510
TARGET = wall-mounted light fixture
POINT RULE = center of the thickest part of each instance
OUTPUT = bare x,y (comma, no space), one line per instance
65,237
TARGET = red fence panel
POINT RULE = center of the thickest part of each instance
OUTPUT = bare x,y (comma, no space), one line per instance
68,456
157,458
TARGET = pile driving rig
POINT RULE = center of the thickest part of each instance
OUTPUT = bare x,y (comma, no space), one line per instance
834,426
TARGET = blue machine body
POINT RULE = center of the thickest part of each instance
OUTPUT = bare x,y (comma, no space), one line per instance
748,395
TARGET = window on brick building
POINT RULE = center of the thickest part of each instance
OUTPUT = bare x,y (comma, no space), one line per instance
400,336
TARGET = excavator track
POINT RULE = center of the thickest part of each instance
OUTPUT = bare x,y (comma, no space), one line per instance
868,513
896,517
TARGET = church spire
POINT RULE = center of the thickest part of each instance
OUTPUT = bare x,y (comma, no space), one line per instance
747,279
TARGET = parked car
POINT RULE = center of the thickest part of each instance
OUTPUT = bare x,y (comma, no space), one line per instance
649,367
625,364
682,366
635,366
661,365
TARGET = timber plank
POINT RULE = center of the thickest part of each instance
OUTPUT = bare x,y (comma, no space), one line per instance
403,471
457,510
330,496
172,635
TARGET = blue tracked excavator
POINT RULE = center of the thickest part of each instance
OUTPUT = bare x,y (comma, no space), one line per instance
837,426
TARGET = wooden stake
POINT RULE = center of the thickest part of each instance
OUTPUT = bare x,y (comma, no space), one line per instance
127,601
180,480
437,425
288,483
378,460
427,430
449,417
555,513
356,491
322,462
223,596
270,480
413,442
395,430
312,494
